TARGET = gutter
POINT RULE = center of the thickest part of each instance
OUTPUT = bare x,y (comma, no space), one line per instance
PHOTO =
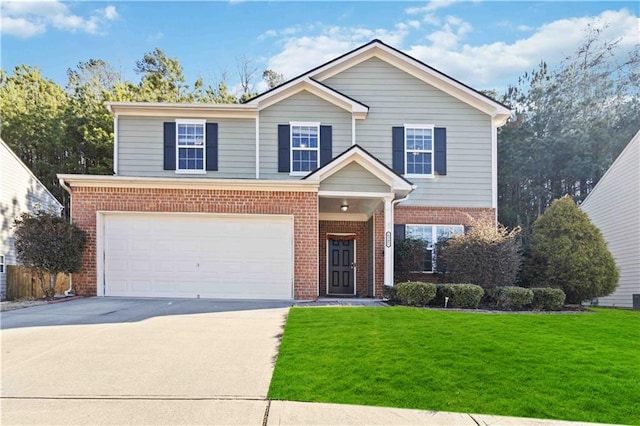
63,185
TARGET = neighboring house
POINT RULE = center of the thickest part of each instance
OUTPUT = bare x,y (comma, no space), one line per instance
294,194
614,207
20,192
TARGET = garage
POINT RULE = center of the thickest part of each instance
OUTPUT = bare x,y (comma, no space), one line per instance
232,256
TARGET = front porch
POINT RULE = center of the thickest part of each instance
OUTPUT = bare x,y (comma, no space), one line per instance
355,224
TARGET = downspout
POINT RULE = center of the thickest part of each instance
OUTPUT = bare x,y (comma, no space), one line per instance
64,186
393,204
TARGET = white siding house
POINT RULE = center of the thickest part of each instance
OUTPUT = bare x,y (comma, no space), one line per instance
614,207
20,191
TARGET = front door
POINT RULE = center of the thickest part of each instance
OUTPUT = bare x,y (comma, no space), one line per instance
341,266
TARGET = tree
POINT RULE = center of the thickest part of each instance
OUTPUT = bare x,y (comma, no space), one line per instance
272,78
569,252
89,125
569,124
246,72
33,123
485,255
162,78
47,244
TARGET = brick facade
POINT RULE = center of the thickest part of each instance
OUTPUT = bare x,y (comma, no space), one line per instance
86,201
441,215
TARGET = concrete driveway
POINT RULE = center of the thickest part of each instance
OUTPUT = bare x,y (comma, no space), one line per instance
134,361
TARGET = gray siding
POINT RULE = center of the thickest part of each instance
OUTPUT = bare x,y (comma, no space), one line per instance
396,98
614,207
354,177
20,192
140,148
302,106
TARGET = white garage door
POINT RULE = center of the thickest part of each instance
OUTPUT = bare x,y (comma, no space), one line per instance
166,255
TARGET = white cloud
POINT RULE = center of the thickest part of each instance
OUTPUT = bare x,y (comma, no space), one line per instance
488,65
29,18
300,54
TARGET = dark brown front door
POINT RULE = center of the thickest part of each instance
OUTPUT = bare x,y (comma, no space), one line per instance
341,266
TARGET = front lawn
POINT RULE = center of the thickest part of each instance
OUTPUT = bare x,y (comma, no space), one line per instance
582,367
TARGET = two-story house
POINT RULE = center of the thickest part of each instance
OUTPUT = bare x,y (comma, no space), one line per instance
296,194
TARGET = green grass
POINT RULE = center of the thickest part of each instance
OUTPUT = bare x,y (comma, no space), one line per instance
581,367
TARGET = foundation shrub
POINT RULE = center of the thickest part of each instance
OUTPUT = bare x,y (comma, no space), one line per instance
464,296
509,298
415,293
547,299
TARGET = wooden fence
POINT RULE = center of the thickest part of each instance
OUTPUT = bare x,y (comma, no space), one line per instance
22,284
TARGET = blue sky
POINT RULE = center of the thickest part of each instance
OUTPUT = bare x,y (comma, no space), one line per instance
486,44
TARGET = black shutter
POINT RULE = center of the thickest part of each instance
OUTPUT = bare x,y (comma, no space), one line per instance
440,138
398,232
169,146
398,149
325,145
212,147
284,147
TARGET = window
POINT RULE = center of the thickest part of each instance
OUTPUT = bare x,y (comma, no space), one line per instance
418,143
431,234
1,263
190,146
305,147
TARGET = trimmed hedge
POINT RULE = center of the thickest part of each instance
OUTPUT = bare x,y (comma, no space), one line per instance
389,293
547,299
509,297
464,296
415,293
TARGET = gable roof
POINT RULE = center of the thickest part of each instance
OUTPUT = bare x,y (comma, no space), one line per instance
372,164
376,48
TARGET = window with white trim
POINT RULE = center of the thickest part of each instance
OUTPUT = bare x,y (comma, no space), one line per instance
305,147
418,147
1,263
190,146
431,234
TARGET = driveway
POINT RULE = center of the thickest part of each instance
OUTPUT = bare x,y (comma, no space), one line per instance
139,361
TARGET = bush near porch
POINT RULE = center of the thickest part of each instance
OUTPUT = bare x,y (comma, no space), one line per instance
580,367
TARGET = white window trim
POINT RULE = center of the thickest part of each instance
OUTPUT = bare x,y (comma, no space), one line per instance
291,126
434,235
202,122
432,151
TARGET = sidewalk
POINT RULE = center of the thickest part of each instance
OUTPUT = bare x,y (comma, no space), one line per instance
306,413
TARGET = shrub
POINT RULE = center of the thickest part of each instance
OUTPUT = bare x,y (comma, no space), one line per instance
509,297
547,299
485,255
389,293
569,252
464,296
415,293
47,244
408,256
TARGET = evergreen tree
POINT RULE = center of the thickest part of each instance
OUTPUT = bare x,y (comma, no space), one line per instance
569,252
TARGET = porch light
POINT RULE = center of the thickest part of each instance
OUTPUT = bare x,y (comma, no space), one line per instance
344,207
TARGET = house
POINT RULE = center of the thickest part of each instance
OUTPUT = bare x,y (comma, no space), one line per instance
293,194
20,192
614,207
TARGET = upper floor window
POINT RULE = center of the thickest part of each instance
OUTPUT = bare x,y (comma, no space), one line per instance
431,234
305,147
1,263
418,143
190,146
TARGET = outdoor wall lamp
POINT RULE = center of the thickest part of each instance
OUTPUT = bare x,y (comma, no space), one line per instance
344,207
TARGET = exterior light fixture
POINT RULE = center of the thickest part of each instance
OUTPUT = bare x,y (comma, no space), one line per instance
344,207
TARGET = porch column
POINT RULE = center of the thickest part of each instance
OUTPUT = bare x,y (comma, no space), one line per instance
388,241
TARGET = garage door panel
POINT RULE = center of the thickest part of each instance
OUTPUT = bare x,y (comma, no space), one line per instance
232,256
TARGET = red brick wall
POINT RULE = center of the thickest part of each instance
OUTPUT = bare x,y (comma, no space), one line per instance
302,205
441,215
362,249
